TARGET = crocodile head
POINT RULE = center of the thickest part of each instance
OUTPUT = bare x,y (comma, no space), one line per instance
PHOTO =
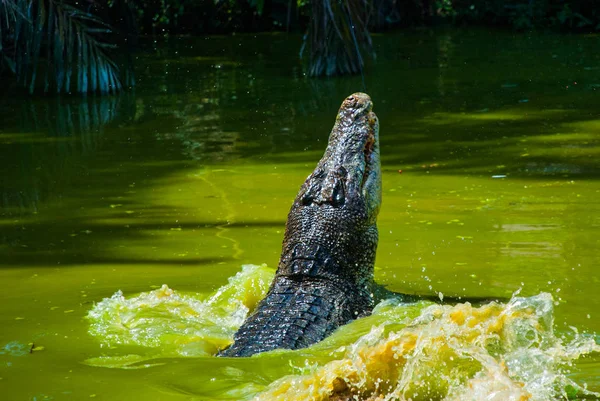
331,232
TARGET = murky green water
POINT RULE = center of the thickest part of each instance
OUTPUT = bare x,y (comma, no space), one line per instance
490,146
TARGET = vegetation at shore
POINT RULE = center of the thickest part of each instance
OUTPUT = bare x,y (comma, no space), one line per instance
67,46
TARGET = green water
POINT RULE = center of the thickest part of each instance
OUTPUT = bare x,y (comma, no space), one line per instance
489,142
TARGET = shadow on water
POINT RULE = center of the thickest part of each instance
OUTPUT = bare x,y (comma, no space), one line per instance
43,140
526,103
29,245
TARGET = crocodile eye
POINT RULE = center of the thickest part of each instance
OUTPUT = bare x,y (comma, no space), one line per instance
307,199
339,195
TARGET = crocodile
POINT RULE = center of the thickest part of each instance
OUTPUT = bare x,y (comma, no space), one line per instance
325,274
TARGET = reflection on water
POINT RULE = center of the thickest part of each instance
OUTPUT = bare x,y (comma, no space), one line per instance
527,227
533,249
201,135
50,140
218,108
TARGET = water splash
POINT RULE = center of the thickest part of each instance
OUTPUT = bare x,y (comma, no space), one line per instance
496,352
417,351
178,324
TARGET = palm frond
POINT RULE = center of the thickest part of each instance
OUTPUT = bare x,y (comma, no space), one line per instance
337,37
67,38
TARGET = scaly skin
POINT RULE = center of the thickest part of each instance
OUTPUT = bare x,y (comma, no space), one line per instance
325,274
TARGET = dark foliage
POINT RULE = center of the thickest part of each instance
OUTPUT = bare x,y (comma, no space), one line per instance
197,17
54,45
337,37
215,16
67,46
576,15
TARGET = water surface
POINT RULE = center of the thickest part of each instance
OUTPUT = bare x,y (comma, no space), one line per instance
489,145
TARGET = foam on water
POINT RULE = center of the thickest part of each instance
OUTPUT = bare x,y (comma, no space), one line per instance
178,324
495,352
